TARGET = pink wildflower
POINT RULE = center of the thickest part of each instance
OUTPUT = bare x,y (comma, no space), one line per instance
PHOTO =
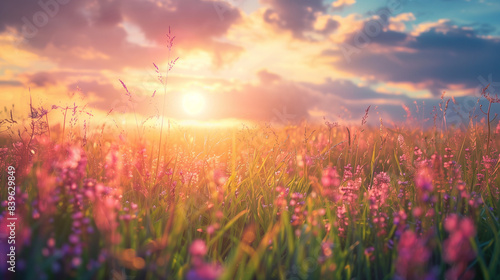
198,248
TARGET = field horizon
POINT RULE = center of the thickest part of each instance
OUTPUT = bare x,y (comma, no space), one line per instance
306,201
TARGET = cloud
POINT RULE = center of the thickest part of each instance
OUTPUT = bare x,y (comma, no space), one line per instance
298,17
41,79
93,34
390,38
341,4
436,57
10,83
347,90
195,22
267,77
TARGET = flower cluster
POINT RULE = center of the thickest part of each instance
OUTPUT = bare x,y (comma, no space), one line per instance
201,270
457,249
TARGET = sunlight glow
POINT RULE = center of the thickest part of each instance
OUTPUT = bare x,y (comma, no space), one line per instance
193,103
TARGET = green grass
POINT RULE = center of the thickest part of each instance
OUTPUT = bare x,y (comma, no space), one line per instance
253,236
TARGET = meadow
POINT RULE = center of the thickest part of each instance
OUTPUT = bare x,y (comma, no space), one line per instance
303,201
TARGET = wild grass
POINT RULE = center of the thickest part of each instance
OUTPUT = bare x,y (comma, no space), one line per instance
295,202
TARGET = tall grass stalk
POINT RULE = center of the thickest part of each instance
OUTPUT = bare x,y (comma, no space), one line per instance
170,44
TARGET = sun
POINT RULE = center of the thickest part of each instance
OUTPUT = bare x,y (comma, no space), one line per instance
193,103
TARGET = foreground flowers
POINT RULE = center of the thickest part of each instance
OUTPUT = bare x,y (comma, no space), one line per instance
457,248
380,205
201,270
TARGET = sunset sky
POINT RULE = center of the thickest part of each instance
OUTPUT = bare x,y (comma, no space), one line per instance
251,60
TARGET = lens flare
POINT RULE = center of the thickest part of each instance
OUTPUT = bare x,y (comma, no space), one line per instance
193,103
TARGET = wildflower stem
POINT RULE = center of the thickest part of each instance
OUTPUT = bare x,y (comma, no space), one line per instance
64,124
163,116
489,129
480,259
48,125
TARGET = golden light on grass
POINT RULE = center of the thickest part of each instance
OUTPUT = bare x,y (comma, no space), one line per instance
193,103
